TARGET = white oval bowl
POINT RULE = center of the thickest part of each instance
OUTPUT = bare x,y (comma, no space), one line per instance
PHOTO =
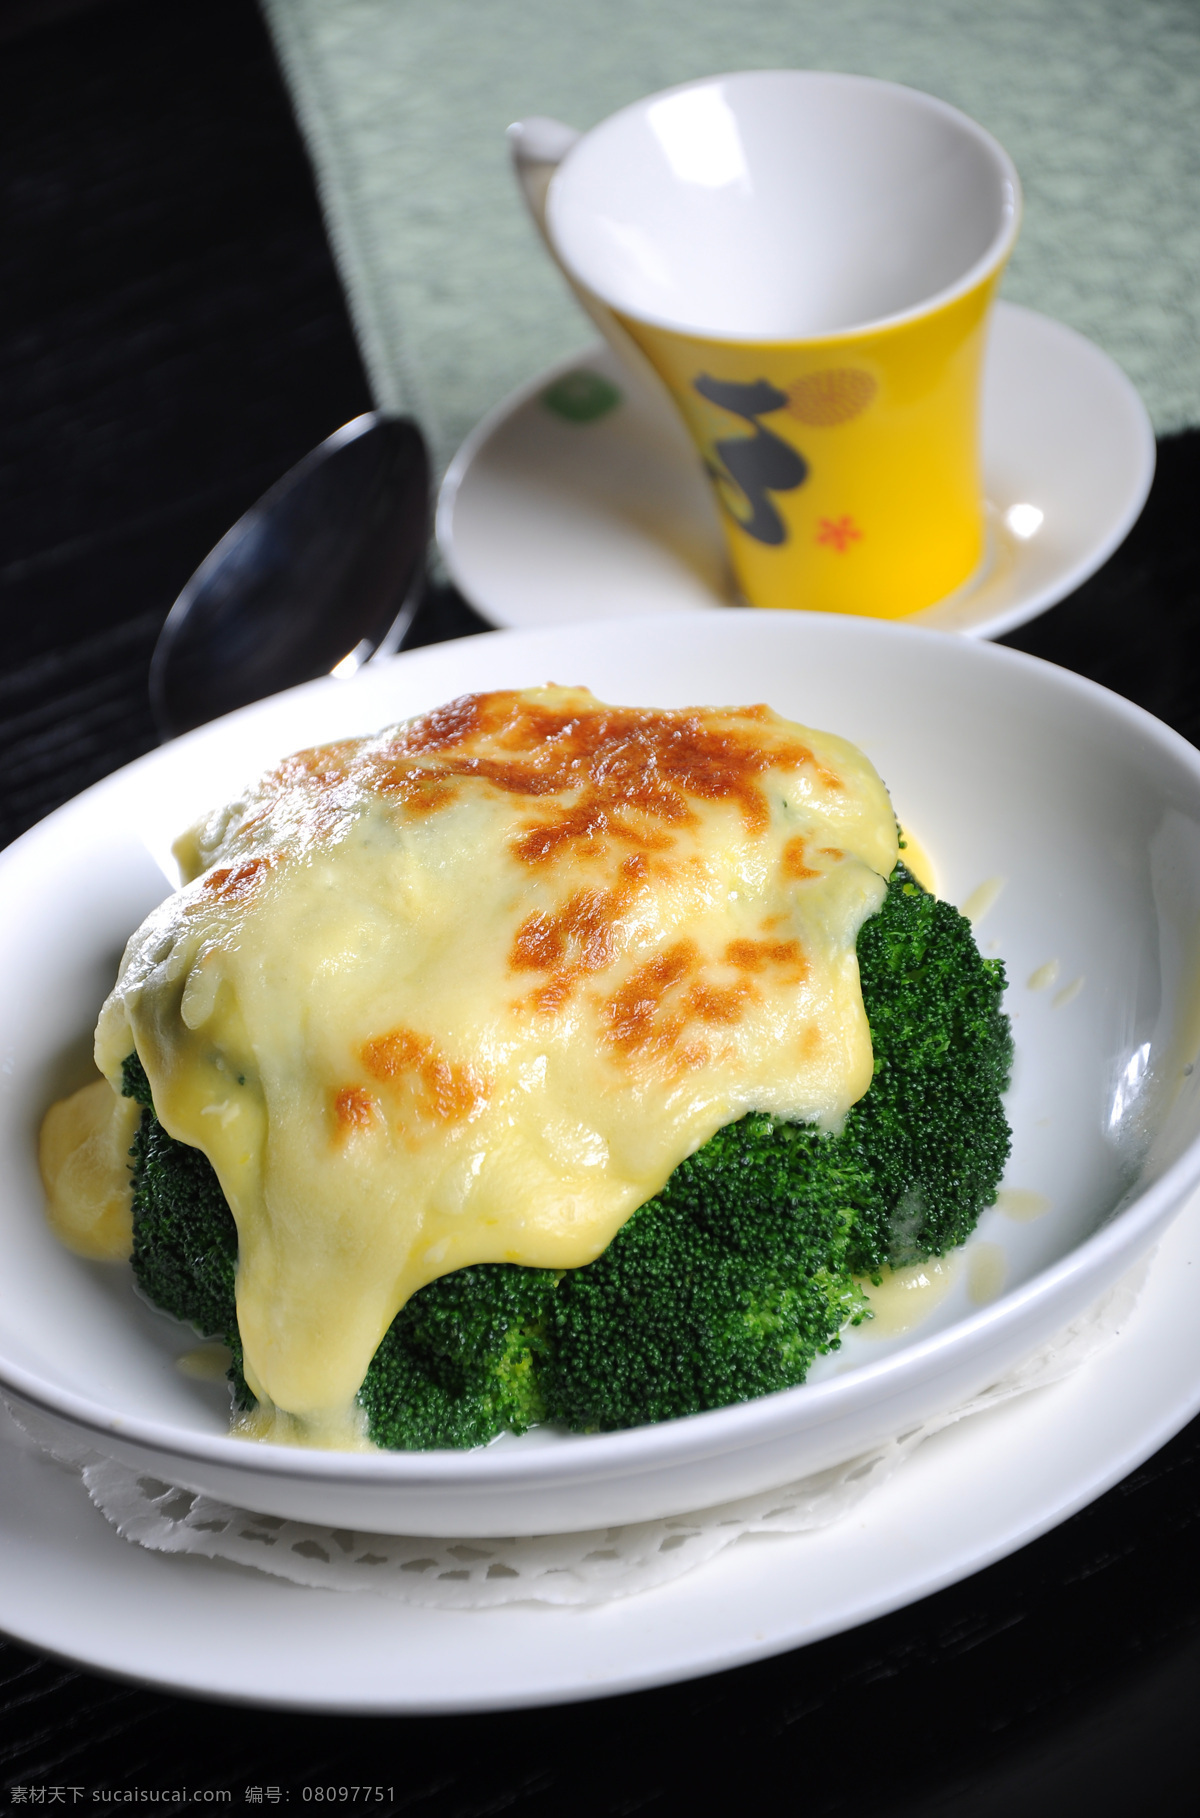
1004,767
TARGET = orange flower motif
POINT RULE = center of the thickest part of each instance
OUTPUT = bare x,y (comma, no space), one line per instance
838,533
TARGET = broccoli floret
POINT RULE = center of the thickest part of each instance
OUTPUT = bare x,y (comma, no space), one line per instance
185,1242
739,1274
931,1133
726,1285
463,1360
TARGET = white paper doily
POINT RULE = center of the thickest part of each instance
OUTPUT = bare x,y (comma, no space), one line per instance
587,1568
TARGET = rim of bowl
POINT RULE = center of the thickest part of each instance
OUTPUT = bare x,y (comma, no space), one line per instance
719,1430
992,259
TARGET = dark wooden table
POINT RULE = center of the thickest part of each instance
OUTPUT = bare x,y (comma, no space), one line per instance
172,337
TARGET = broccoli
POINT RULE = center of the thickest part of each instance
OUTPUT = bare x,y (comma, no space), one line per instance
930,1133
740,1273
724,1286
463,1360
185,1242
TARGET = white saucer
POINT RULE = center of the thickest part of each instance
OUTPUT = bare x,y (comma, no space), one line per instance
70,1586
547,521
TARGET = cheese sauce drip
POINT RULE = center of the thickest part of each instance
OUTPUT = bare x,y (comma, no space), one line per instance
470,990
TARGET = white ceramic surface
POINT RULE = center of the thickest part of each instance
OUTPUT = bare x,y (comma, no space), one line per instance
544,521
783,205
1003,767
70,1586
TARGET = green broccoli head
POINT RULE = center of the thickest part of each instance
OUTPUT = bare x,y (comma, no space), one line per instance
463,1360
931,1134
185,1242
726,1285
740,1273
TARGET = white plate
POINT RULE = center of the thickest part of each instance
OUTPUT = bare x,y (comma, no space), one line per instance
544,521
71,1587
74,887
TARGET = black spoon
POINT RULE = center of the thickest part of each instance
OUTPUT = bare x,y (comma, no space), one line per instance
324,572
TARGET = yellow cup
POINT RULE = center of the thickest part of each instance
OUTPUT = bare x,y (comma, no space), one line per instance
807,262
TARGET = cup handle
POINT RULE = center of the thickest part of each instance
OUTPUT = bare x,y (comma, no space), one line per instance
538,146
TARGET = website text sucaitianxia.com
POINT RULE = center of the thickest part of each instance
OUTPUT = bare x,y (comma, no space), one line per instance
65,1795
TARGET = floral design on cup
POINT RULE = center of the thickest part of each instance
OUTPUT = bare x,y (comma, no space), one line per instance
832,396
750,467
838,533
581,396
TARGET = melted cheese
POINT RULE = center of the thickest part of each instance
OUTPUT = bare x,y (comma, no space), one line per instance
83,1154
470,990
902,1298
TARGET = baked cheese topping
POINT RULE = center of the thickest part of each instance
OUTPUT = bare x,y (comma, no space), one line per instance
83,1154
470,990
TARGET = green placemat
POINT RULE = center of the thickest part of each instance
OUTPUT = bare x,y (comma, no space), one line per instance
405,102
